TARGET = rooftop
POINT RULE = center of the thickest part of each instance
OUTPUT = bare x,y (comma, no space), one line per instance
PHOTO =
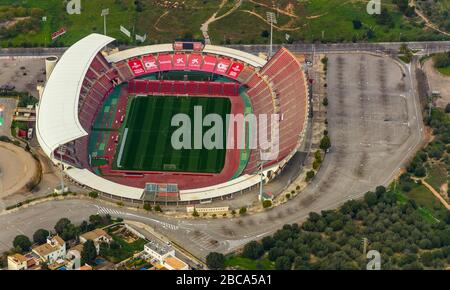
175,263
158,247
18,258
53,244
95,234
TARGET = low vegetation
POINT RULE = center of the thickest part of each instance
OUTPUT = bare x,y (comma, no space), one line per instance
405,223
22,22
442,62
332,239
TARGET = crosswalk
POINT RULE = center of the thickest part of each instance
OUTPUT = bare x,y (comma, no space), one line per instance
110,211
114,212
168,226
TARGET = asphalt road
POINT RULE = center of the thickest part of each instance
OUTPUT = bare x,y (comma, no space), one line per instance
387,47
374,123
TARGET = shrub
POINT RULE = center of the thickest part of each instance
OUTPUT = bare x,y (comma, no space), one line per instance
93,194
325,143
243,210
309,175
147,206
267,203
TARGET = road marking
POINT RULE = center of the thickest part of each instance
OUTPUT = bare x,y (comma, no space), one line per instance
105,210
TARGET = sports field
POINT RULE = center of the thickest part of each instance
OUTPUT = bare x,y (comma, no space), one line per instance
145,139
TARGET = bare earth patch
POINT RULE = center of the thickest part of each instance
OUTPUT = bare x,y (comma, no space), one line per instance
438,82
17,168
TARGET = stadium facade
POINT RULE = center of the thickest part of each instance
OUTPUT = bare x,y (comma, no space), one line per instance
83,121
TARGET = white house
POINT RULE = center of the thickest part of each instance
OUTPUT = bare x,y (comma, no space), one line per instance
54,249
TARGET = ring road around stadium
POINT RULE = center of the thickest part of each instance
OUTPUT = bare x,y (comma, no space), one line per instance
105,117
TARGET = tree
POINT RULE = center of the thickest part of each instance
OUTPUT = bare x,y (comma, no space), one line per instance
70,232
215,261
420,171
370,198
253,250
22,243
158,208
325,143
265,34
61,225
283,263
89,252
243,210
40,236
95,219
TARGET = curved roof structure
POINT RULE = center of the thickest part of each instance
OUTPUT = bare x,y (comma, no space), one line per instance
57,121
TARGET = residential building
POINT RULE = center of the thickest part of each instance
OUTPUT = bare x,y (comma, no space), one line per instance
163,256
17,262
98,236
158,251
50,252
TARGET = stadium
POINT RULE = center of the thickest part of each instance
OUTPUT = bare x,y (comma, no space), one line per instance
105,117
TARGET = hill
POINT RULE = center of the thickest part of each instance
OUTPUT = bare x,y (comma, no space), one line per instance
31,22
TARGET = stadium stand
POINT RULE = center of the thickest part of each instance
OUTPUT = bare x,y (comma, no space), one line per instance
162,87
278,88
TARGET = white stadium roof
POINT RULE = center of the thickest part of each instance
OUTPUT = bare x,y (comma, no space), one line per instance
57,121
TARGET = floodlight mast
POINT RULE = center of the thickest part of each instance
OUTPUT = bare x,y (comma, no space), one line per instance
105,12
261,174
271,18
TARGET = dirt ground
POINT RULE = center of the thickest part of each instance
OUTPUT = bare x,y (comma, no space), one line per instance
438,82
24,73
17,168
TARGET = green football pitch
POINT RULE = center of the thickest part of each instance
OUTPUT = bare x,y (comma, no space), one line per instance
145,139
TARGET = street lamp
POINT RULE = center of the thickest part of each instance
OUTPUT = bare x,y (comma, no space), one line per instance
271,18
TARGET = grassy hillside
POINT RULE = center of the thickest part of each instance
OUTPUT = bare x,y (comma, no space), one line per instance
163,21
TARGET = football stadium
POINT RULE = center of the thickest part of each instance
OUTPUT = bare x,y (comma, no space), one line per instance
106,117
